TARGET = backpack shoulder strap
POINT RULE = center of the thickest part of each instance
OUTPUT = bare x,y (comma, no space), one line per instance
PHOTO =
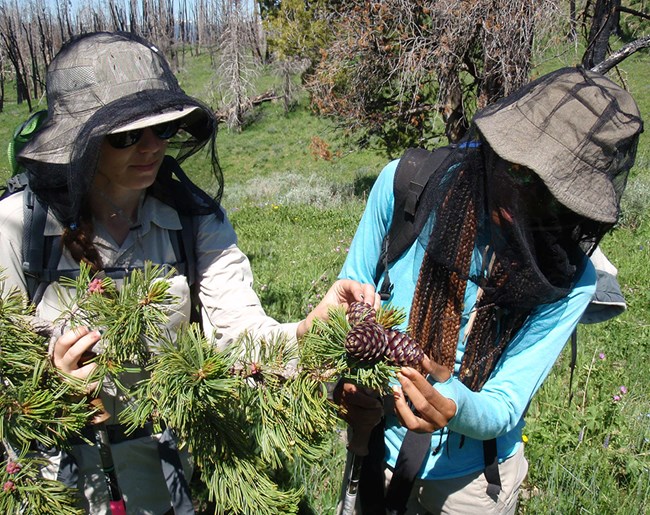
40,253
413,172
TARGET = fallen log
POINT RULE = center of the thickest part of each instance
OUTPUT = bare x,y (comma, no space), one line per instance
224,113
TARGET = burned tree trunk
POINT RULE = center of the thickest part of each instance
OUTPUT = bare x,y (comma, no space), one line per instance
8,33
37,83
604,22
615,58
235,68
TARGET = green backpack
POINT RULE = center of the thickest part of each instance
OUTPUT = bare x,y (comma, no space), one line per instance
22,135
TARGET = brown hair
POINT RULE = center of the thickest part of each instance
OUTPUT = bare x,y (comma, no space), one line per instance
438,301
78,239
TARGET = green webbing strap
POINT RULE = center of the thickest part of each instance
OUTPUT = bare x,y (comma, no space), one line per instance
22,135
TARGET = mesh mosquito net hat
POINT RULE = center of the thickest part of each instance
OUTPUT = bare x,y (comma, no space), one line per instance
576,130
98,84
535,186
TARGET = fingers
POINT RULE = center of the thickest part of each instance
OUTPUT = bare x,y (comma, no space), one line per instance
71,350
349,291
369,296
343,292
434,410
406,417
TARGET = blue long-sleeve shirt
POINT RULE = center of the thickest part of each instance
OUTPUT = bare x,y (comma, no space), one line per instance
497,410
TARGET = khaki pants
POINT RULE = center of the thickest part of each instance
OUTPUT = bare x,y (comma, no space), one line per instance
467,495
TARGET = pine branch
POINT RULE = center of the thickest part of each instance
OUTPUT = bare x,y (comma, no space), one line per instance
36,405
189,380
32,412
242,413
390,316
26,491
226,481
131,318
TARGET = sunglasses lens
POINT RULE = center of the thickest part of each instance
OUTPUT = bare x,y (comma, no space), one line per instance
127,138
166,130
124,139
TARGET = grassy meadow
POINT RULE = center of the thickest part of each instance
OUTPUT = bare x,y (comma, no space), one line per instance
294,189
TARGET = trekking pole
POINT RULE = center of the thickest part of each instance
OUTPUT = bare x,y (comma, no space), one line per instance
349,496
357,450
116,500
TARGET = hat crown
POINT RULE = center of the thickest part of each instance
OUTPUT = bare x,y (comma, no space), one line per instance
583,114
577,130
98,69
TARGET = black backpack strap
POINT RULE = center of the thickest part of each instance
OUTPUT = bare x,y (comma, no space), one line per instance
382,264
40,253
52,251
371,482
491,467
186,238
413,172
186,253
414,450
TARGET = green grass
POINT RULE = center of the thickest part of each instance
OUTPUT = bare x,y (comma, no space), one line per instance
295,189
295,251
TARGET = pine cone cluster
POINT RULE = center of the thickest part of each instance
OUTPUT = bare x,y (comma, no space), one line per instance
369,341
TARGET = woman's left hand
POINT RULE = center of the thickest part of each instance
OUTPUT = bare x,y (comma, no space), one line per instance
434,410
343,292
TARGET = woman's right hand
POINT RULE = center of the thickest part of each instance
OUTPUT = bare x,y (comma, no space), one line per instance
71,351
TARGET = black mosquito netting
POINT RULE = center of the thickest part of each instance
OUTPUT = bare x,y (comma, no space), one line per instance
532,251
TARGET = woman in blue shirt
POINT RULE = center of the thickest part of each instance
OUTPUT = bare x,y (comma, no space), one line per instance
496,281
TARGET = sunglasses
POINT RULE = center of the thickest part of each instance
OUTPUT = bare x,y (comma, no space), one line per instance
126,139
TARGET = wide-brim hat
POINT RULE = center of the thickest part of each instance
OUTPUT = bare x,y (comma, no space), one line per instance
157,119
577,130
118,74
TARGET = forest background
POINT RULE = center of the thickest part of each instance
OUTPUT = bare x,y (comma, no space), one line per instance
315,97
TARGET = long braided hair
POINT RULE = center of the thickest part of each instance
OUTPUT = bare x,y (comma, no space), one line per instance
529,246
